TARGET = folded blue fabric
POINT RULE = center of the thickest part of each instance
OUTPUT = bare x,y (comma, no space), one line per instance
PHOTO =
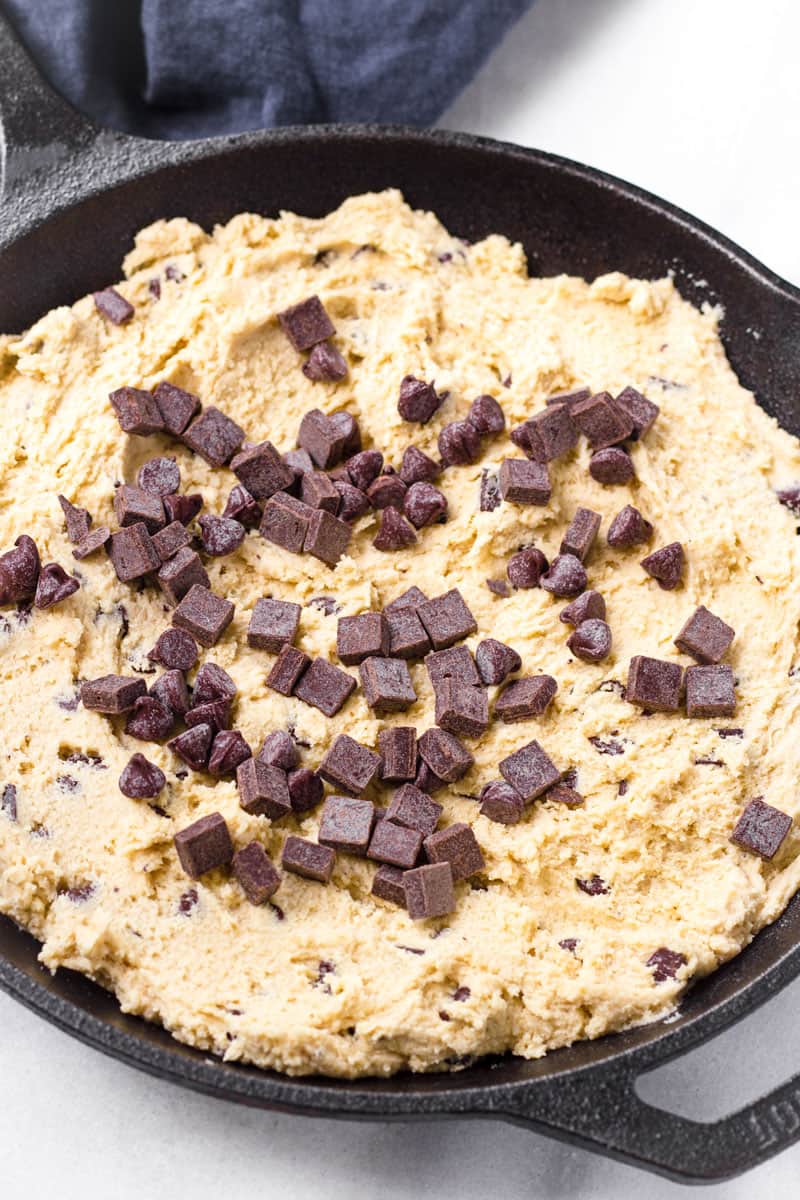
189,68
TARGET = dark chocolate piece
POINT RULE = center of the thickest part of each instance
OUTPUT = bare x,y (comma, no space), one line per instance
499,587
169,540
425,505
418,400
454,663
413,808
204,845
111,693
94,541
387,884
524,482
666,565
429,891
525,697
305,789
459,444
397,845
308,859
548,435
364,467
307,323
530,770
183,508
569,397
705,637
132,505
501,802
177,407
321,438
194,746
591,640
132,553
611,466
387,685
216,713
486,415
398,750
562,793
579,538
495,661
638,409
761,828
352,503
220,535
325,364
589,606
273,625
365,635
458,846
566,576
323,686
665,963
257,875
54,585
149,720
425,779
19,570
526,567
462,710
654,684
418,467
710,691
159,477
212,683
180,574
228,751
407,636
395,531
279,750
412,598
137,411
387,491
285,522
300,461
262,471
629,528
263,789
446,756
594,886
317,491
78,520
286,670
213,436
346,427
349,766
447,619
327,537
205,615
171,691
602,422
110,304
141,779
175,649
241,506
346,824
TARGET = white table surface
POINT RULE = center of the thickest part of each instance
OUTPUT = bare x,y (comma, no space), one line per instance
699,103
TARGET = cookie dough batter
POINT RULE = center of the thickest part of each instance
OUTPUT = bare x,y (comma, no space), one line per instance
328,978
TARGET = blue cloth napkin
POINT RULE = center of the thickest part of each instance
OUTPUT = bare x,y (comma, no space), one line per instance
189,68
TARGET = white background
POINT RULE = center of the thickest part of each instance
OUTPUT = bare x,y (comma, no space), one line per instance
699,103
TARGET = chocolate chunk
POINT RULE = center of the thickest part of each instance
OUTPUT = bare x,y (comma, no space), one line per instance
462,710
305,789
306,324
629,528
525,697
705,637
149,720
603,423
654,684
499,587
352,503
133,553
638,409
387,491
446,756
589,606
205,615
569,397
500,802
387,685
241,506
429,891
407,636
710,692
424,505
94,541
327,537
591,640
418,467
530,770
490,497
169,540
221,535
364,467
183,508
228,751
387,884
611,466
212,683
547,436
346,824
349,766
180,574
418,400
458,846
363,636
111,693
215,437
455,663
562,793
177,407
216,713
317,491
279,750
665,963
790,497
583,529
397,845
262,471
159,477
566,576
78,520
459,444
175,649
54,585
285,522
204,845
171,691
414,809
286,670
486,415
495,661
194,746
761,829
595,886
398,750
141,779
137,411
321,438
300,462
524,482
447,619
257,875
395,531
110,304
132,505
412,598
273,625
325,364
346,427
308,859
425,779
263,789
526,567
323,686
666,565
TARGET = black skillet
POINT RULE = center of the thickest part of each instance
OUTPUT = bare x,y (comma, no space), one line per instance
72,197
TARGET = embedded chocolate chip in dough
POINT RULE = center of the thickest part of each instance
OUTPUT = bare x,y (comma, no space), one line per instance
113,306
308,859
654,684
666,565
418,400
580,537
307,323
710,691
591,640
204,845
590,605
529,696
705,636
665,963
629,528
611,466
257,875
495,661
325,364
458,846
429,891
525,482
530,770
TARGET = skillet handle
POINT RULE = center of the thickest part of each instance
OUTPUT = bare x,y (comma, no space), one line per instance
600,1109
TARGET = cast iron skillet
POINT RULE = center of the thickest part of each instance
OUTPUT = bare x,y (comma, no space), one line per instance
73,195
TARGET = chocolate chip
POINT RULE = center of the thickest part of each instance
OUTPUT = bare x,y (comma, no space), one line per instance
305,790
94,541
149,720
159,477
589,606
324,686
490,497
486,415
525,697
566,576
458,846
204,845
321,438
349,766
397,845
221,535
180,574
595,886
395,531
325,364
461,710
285,522
790,497
526,567
215,437
705,637
183,508
263,789
524,482
629,528
177,407
710,691
216,713
414,809
638,409
286,670
424,505
175,649
583,529
279,750
347,428
169,540
418,400
141,779
228,751
602,422
257,875
530,771
387,684
137,411
205,615
547,436
407,636
273,625
654,684
194,746
346,824
562,793
132,505
352,503
78,520
171,692
425,779
327,537
499,587
300,462
591,640
446,756
54,585
459,444
110,304
611,466
665,963
429,891
447,619
308,859
666,565
398,750
306,324
111,693
412,598
241,506
364,467
501,802
213,683
387,491
455,663
495,661
387,884
262,471
363,636
418,467
761,829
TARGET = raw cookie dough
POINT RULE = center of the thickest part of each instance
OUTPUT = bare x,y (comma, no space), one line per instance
94,875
